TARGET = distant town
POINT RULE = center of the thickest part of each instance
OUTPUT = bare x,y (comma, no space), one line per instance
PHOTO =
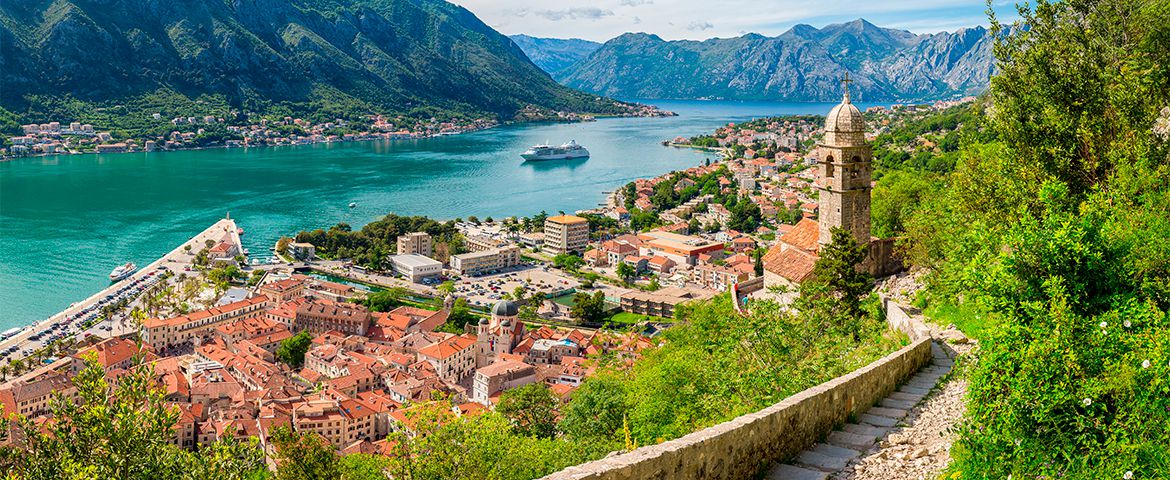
346,349
191,132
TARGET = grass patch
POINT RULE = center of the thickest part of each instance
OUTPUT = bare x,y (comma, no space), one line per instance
628,318
969,320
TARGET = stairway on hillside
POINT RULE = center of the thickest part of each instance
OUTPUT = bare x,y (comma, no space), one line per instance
853,439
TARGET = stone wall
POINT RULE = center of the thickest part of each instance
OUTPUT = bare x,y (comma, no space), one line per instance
746,446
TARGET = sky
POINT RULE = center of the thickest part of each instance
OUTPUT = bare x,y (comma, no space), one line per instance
600,20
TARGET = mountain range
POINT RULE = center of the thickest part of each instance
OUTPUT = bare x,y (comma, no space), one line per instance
803,64
376,55
554,54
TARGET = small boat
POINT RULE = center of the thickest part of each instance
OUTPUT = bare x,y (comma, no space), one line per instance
352,204
240,231
123,271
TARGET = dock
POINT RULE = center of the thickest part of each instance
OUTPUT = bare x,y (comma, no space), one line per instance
174,262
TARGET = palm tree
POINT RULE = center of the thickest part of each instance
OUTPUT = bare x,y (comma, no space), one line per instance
4,371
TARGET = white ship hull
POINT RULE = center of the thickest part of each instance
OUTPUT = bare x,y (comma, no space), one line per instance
536,157
542,152
123,271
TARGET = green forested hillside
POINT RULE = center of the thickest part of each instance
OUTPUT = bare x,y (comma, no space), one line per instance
1048,228
65,59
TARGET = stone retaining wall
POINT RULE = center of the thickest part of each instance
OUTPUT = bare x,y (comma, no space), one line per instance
746,446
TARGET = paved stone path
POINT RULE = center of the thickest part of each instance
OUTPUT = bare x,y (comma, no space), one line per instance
844,446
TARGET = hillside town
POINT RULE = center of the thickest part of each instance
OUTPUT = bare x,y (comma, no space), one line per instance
301,343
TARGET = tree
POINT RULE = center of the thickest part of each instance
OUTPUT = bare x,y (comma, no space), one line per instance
282,245
596,411
625,271
360,466
386,300
568,261
446,288
304,456
223,277
119,432
459,317
838,283
759,266
292,350
531,408
588,308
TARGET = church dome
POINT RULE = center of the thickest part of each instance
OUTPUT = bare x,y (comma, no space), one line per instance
505,308
483,321
845,126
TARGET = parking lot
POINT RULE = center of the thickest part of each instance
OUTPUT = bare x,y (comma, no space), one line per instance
486,290
72,323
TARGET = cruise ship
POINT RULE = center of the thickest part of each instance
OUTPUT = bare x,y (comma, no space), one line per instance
567,151
123,271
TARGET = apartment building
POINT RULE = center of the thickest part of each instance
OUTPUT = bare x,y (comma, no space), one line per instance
452,358
320,316
565,233
476,263
417,243
160,333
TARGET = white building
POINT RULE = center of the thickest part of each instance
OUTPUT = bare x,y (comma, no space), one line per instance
497,377
475,263
416,267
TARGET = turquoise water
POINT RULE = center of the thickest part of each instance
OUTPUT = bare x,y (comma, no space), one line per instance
66,221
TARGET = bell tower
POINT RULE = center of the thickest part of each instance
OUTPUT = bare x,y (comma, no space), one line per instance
845,167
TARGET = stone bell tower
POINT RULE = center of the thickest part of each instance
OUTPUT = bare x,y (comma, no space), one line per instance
844,178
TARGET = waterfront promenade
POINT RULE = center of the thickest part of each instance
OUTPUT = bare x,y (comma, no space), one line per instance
175,261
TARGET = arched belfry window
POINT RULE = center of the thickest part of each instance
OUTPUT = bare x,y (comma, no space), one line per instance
829,167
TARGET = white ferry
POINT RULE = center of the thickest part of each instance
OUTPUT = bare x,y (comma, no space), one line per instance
123,271
545,151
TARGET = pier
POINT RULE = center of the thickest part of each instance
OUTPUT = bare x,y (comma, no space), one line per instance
174,262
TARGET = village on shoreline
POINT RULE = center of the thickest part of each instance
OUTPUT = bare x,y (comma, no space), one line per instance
345,345
210,131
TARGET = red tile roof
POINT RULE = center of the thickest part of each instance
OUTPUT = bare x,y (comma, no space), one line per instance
804,235
793,264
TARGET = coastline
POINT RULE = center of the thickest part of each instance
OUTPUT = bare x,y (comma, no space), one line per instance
365,137
711,115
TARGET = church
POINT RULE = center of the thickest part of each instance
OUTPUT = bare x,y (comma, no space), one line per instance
844,171
498,335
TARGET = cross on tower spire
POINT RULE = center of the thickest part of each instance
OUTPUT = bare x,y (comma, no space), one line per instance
845,82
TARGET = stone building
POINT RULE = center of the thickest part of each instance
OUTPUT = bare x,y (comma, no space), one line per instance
498,335
320,316
844,171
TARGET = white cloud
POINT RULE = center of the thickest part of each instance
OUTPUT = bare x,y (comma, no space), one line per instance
581,13
601,20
